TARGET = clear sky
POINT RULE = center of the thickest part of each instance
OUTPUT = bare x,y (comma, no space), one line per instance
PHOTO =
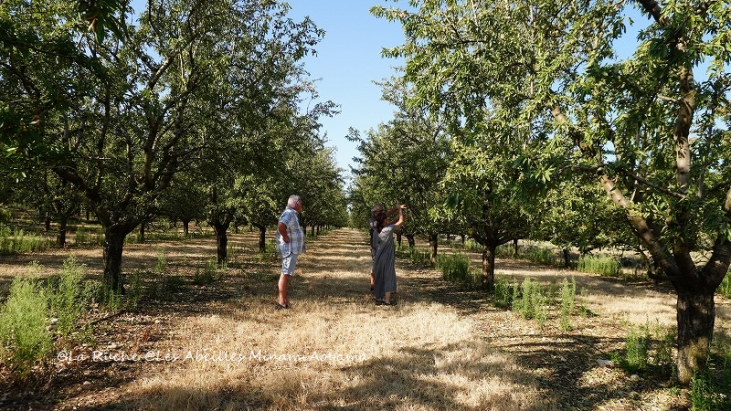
348,61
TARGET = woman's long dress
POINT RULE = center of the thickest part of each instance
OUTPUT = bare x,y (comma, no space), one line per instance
384,262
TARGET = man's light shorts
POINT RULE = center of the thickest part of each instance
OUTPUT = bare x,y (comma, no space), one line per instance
288,263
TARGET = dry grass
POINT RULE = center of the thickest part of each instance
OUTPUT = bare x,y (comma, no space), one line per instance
439,349
334,349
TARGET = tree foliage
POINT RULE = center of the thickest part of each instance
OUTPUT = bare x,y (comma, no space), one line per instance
651,131
118,118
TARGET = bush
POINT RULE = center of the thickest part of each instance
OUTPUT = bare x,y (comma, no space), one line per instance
13,242
637,349
162,262
455,267
725,288
568,302
709,387
532,302
472,245
67,301
23,323
5,215
87,236
602,265
647,352
209,274
414,255
540,256
503,296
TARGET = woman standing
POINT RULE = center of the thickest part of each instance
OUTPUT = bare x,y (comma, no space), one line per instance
384,260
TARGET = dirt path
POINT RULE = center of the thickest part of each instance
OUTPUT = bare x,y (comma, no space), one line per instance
223,346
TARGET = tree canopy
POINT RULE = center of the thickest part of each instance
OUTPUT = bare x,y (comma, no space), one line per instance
652,136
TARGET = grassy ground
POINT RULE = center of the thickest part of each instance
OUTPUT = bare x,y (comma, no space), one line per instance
222,345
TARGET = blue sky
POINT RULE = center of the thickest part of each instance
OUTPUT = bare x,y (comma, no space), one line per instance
348,61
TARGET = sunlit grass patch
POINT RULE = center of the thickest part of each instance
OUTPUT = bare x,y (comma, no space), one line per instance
423,355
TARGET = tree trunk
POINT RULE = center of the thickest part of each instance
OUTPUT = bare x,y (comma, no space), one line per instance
221,230
62,227
696,315
142,232
410,239
262,238
488,268
186,224
566,258
48,224
515,248
433,246
113,244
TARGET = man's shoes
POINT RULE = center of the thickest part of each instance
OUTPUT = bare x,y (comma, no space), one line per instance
380,302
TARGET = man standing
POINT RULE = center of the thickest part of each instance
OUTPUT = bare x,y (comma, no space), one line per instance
290,243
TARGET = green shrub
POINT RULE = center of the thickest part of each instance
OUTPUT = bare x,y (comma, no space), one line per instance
472,245
709,388
23,331
602,265
209,274
664,345
568,302
583,310
532,303
162,262
134,291
5,215
14,242
413,255
504,291
504,251
540,255
455,267
112,300
637,349
67,302
87,236
725,288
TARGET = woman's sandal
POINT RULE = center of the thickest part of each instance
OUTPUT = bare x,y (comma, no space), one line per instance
282,307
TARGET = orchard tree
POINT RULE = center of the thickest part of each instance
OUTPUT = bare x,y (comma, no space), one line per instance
184,200
571,213
404,161
317,180
118,119
652,128
487,193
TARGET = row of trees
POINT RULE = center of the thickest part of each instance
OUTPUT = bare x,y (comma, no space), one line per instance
190,108
522,120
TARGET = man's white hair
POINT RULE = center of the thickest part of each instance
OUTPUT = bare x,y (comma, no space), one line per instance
293,201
